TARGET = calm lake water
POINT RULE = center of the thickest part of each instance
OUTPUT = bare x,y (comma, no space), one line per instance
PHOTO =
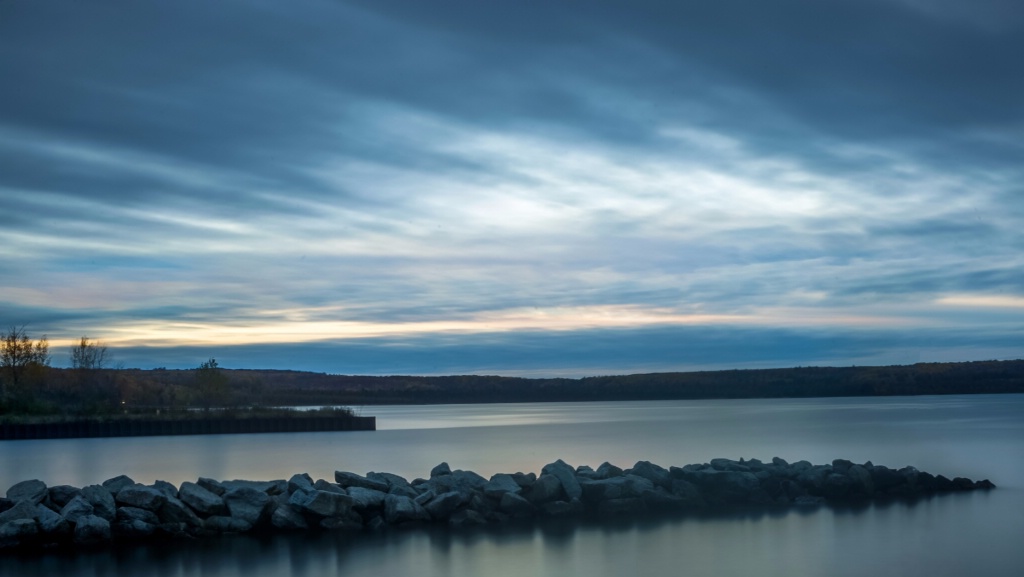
970,534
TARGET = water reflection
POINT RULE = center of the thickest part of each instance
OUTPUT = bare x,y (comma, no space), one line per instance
834,541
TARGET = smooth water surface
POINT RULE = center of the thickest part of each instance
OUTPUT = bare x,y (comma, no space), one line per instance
975,436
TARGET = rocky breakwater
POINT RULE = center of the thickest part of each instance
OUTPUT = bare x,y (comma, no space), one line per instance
34,515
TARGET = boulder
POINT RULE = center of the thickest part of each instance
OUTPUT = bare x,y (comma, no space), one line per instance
363,499
841,466
351,522
91,530
458,480
566,475
288,519
77,508
322,485
516,506
836,486
17,532
391,480
722,487
117,483
886,479
101,500
128,514
247,504
166,488
24,509
300,481
33,490
176,511
861,482
547,488
346,480
443,505
606,471
141,496
61,495
779,462
501,484
653,473
322,503
729,465
441,469
212,486
201,500
5,504
627,486
271,488
525,480
399,509
51,523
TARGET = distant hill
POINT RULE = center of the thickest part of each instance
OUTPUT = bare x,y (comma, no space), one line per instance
277,387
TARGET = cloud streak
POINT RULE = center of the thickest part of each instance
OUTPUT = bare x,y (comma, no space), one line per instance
354,172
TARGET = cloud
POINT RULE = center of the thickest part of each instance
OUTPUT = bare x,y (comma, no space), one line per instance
392,171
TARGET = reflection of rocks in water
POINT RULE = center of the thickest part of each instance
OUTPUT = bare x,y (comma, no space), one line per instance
562,496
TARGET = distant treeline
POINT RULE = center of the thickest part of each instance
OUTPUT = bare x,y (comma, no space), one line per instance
272,387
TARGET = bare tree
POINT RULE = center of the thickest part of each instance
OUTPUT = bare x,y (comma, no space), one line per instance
19,355
89,355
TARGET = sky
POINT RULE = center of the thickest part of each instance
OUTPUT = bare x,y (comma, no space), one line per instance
557,188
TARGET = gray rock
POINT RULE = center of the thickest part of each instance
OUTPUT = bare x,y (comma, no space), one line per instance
247,504
813,478
458,480
166,488
202,500
729,465
836,486
176,511
322,485
51,523
525,480
269,487
399,509
346,480
300,481
128,514
323,503
567,476
101,500
33,490
778,462
392,481
606,471
91,530
17,532
424,498
653,473
466,518
212,486
547,488
117,483
24,509
363,499
77,508
501,484
885,479
727,487
61,495
516,506
861,480
142,497
841,466
442,469
288,519
688,492
222,524
443,505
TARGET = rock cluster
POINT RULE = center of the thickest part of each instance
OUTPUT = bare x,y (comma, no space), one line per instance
34,515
